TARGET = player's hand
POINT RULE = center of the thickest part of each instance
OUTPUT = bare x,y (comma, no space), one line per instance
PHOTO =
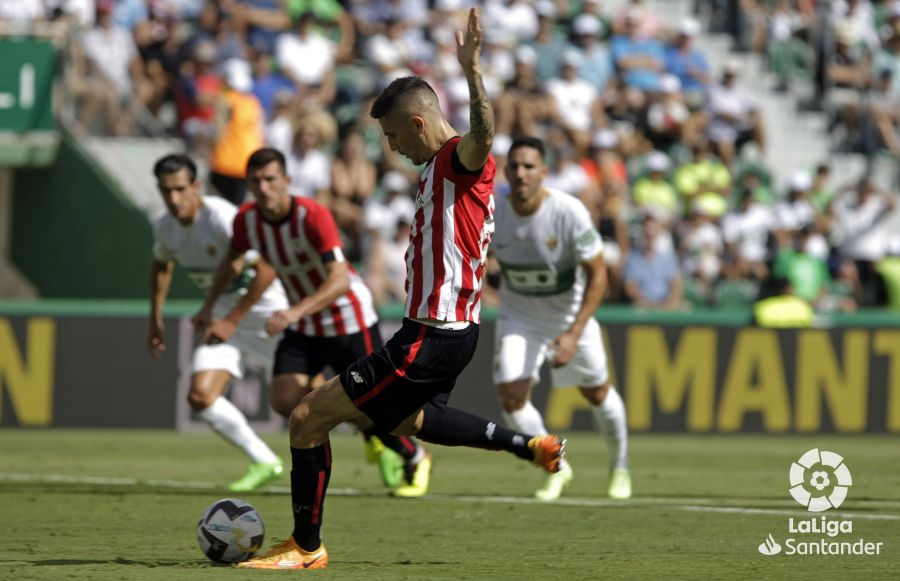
202,319
564,348
156,343
218,331
281,320
468,46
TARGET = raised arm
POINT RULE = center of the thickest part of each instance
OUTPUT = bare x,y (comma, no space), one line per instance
475,146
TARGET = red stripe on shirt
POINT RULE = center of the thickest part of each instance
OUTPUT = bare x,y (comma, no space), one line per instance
437,247
407,361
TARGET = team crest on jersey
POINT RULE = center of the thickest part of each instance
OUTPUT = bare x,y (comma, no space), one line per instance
551,242
211,249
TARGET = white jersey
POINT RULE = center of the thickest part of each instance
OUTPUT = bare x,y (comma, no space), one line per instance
200,246
540,256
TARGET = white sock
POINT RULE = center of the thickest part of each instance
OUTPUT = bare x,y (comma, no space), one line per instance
228,421
527,420
610,418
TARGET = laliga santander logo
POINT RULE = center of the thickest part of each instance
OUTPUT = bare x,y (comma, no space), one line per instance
819,480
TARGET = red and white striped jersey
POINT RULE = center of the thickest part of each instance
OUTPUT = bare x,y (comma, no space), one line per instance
448,244
295,247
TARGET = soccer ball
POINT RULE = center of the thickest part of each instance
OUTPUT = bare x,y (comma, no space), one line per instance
230,531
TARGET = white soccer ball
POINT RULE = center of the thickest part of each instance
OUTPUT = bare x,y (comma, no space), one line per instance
230,531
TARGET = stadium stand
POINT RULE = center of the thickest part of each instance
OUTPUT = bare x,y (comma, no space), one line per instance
792,102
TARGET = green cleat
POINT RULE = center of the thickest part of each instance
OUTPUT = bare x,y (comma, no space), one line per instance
555,483
391,465
389,462
257,475
419,485
620,484
374,448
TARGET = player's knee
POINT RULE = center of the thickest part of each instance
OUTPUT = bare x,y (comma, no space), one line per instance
512,398
595,395
284,406
199,400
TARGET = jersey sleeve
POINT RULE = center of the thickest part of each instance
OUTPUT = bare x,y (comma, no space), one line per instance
586,239
161,252
321,230
240,242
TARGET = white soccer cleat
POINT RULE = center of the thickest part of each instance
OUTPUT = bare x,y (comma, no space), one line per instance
553,486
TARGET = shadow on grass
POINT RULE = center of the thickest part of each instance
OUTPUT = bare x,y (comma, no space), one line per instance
119,561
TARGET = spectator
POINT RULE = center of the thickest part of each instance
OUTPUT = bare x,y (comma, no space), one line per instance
524,106
263,21
688,63
383,213
269,83
22,10
667,118
240,127
652,276
807,272
861,230
797,212
596,61
639,59
112,51
746,232
577,106
307,58
197,92
701,248
704,178
783,310
549,43
309,166
734,117
653,193
279,131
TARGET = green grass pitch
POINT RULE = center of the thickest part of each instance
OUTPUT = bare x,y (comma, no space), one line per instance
93,504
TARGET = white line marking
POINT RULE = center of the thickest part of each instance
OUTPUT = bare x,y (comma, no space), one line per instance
685,503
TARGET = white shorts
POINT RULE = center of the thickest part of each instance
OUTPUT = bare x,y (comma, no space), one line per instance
522,347
249,340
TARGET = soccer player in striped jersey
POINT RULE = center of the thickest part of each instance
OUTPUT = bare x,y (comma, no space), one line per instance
553,279
404,386
331,319
195,232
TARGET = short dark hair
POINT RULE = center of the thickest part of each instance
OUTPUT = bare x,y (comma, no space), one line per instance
532,142
397,90
174,163
264,156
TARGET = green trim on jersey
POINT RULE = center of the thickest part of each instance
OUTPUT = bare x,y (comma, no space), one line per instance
203,279
536,280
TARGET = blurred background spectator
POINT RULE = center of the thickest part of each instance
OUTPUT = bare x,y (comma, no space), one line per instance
672,145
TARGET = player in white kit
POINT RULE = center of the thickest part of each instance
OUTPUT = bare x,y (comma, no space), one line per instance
195,232
553,279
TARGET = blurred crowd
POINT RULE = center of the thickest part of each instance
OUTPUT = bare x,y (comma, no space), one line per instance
667,153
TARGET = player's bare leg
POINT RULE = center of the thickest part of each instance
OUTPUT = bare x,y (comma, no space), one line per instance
206,400
608,411
310,423
396,456
519,413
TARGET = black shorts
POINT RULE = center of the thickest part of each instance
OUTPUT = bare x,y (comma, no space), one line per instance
298,353
419,364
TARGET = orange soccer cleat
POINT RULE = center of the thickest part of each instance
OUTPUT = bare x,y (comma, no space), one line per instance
288,555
